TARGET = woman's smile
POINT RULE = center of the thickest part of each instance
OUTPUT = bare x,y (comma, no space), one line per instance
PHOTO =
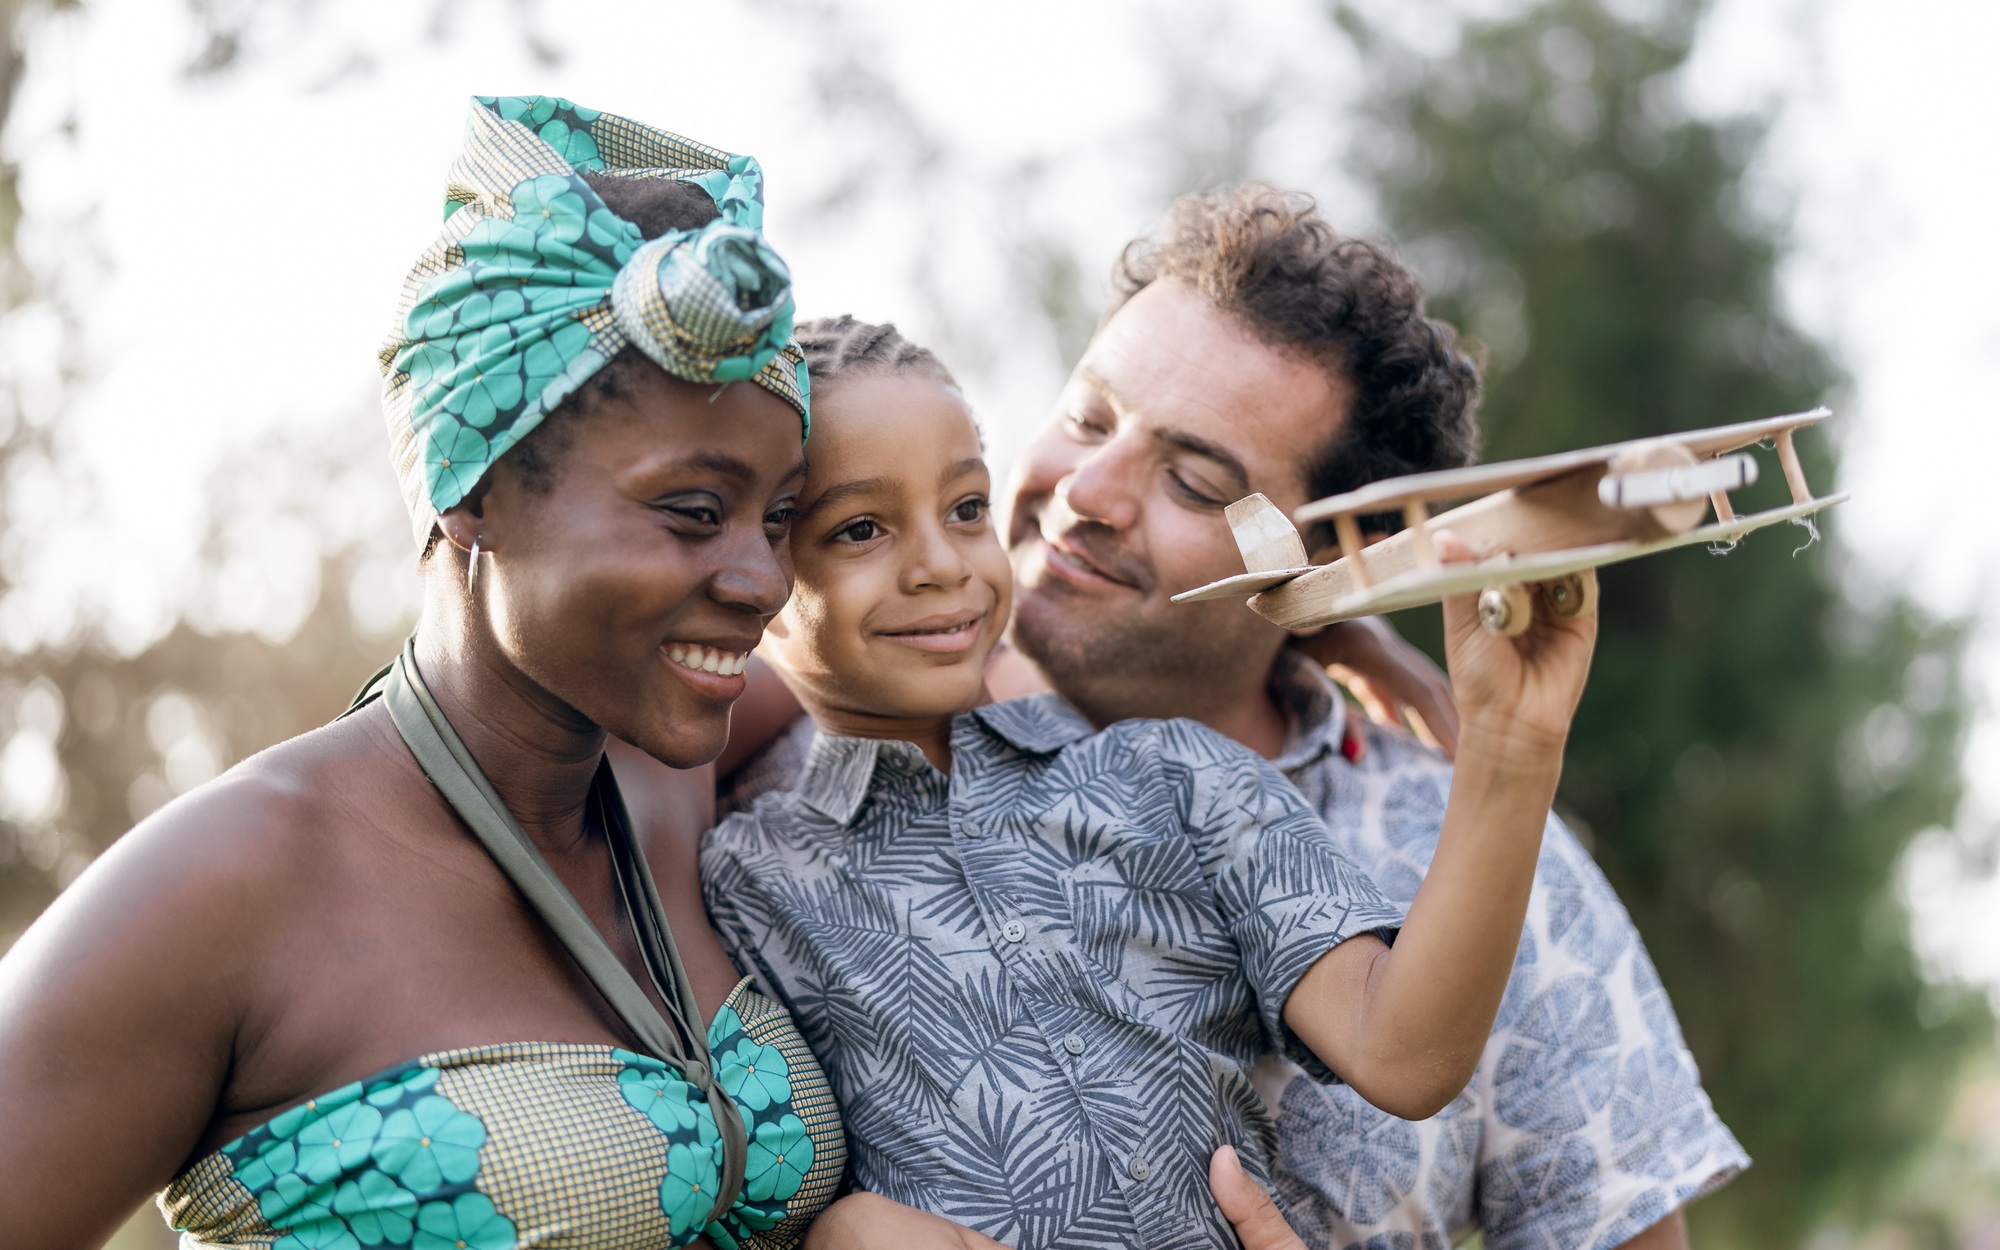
712,672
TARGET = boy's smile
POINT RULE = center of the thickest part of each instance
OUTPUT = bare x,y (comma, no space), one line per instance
941,632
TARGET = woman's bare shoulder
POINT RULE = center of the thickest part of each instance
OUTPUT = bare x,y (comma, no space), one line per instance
221,857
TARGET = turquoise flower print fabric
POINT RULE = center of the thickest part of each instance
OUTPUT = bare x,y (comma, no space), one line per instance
560,1146
757,1077
383,1162
534,284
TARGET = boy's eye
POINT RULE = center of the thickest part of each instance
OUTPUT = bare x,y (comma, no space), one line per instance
970,511
857,531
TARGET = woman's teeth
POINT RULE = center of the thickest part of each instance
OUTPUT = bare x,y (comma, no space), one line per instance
708,659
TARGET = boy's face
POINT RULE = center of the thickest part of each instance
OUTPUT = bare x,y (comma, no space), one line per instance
903,587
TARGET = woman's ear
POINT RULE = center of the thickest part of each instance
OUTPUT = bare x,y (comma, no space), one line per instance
464,521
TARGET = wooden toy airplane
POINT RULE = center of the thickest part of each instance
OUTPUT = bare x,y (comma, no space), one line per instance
1540,523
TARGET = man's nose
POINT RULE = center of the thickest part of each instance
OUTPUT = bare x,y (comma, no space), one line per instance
1104,486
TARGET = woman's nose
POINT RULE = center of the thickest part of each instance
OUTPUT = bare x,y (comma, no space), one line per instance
754,574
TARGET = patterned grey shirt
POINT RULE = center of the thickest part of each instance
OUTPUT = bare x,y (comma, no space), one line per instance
1586,1123
1039,985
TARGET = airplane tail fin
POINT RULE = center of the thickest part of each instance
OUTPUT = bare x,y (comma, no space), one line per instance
1264,535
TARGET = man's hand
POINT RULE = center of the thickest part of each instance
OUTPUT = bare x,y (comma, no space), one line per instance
864,1221
1245,1204
1396,683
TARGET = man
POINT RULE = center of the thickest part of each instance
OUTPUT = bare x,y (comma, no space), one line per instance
1253,349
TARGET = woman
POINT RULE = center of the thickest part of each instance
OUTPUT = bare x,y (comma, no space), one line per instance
407,979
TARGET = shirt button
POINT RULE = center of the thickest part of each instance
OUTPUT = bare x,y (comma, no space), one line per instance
1014,931
972,829
1073,1043
1140,1168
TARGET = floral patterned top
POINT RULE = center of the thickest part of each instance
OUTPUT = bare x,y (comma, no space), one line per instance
564,1146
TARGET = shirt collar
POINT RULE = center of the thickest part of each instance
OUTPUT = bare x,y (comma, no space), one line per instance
837,774
1040,724
1313,706
839,771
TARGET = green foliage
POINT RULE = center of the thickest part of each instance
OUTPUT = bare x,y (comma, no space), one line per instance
1757,745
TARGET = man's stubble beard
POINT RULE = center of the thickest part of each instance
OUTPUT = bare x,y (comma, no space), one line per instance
1114,666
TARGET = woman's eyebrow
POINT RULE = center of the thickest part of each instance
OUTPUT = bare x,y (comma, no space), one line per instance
718,462
845,490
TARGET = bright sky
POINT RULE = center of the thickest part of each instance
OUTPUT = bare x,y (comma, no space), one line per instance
234,244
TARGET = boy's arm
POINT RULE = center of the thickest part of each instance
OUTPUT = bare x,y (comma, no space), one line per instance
1406,1026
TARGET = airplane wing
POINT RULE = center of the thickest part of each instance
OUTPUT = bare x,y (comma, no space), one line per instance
1485,479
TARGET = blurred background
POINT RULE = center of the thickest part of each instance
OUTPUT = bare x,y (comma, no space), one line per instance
1651,214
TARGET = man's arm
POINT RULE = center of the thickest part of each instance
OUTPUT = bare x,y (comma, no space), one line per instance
1669,1234
1396,683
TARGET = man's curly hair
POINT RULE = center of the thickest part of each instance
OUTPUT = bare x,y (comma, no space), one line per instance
1267,257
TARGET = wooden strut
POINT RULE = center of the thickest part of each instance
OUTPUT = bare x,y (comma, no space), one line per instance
1415,517
1795,477
1348,530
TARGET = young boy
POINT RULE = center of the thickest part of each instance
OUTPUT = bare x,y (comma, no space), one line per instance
1038,960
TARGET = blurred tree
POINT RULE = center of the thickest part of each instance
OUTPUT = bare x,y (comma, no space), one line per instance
92,736
1759,742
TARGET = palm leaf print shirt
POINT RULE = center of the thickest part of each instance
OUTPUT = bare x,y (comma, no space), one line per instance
1039,984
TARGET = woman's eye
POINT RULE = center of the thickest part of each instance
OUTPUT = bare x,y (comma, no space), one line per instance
698,513
781,518
857,531
697,509
970,511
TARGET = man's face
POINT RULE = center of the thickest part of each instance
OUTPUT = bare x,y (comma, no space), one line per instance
1175,411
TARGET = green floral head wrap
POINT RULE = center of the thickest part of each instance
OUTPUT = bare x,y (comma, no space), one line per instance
534,285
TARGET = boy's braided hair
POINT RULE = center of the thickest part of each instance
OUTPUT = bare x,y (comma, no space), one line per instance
842,347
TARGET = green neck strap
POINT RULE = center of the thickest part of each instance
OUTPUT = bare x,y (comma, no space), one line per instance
676,1039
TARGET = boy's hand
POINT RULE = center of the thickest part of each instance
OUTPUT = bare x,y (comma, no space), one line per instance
1521,691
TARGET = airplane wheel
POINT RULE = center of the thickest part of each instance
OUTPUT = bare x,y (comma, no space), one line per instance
1575,595
1506,610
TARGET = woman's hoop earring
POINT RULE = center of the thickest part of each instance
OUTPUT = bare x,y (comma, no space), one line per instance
472,567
